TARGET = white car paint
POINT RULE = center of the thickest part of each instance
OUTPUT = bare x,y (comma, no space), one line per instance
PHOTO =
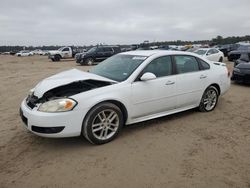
24,53
38,52
143,100
211,54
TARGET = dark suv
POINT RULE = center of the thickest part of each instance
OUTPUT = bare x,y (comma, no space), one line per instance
235,54
97,54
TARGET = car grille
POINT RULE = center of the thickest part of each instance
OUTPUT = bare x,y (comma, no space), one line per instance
31,101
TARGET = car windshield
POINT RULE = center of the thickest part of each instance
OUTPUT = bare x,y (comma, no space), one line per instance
118,67
92,50
200,52
60,49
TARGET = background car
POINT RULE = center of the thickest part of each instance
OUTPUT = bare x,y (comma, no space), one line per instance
24,53
97,54
127,88
211,54
39,52
228,48
244,58
241,73
235,54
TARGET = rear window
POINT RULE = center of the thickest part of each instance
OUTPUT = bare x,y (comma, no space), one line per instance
204,65
185,64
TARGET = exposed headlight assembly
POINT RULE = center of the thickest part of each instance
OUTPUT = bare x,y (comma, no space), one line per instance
31,92
58,105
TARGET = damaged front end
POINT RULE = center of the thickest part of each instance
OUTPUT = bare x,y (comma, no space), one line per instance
64,92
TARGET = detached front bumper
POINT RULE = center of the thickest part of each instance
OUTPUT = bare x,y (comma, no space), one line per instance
62,124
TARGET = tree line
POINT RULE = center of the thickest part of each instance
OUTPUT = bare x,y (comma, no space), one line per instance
219,40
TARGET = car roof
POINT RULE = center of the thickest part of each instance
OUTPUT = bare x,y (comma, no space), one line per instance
148,53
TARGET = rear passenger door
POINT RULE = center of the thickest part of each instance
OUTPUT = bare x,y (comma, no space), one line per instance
100,54
191,80
108,52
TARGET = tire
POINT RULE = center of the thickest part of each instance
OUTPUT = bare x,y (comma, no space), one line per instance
209,99
102,123
53,59
221,59
57,58
89,61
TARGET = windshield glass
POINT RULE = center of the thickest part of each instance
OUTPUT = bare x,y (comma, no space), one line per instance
60,49
118,67
200,52
92,50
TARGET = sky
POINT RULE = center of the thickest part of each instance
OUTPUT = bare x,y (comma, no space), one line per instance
89,22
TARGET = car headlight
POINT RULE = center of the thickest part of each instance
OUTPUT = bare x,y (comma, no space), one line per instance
236,70
31,92
58,105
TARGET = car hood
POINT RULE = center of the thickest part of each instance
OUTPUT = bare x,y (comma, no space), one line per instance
53,52
243,66
65,78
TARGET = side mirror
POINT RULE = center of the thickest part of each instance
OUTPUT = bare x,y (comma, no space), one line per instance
148,76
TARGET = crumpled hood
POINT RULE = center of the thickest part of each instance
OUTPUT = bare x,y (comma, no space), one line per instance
53,52
65,78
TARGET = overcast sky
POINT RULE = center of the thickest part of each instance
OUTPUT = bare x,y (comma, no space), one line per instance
85,22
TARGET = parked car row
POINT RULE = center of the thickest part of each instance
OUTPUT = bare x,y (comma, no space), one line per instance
23,53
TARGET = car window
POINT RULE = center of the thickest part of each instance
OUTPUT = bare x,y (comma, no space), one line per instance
161,66
100,49
214,51
186,64
65,49
204,65
108,49
210,52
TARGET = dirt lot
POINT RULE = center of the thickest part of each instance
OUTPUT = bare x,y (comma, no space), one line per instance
190,149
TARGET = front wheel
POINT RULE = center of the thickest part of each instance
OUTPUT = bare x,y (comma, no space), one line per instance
102,123
57,58
90,61
209,99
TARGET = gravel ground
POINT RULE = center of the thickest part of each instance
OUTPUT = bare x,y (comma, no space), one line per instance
188,149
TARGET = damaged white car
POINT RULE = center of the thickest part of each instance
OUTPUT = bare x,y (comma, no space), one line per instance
127,88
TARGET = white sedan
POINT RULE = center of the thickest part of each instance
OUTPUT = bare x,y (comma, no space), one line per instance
126,88
211,54
24,53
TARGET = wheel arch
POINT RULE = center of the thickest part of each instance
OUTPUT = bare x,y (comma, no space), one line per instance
216,86
115,102
58,55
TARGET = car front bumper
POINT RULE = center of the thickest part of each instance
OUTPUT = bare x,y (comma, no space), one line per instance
240,77
61,124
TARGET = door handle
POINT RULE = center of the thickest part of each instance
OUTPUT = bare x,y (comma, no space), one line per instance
203,76
170,82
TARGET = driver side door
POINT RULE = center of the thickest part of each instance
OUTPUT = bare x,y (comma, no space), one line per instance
154,96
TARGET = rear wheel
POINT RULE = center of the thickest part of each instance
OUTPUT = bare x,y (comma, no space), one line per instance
209,99
102,123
